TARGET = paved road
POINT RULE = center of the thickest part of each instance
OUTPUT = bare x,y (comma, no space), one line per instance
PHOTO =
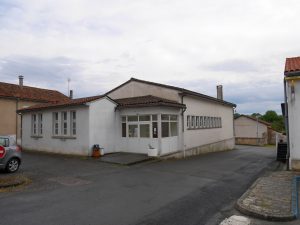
73,191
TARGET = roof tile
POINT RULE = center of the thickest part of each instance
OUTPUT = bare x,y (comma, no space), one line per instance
292,65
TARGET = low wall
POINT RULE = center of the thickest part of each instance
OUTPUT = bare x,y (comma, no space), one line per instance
250,141
224,145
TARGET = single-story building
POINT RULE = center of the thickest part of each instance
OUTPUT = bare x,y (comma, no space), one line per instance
18,96
132,117
253,131
292,110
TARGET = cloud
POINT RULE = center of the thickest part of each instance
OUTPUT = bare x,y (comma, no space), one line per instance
194,44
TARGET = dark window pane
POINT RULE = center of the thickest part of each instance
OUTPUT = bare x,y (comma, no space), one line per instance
132,118
123,129
174,130
144,130
154,130
164,117
165,129
144,117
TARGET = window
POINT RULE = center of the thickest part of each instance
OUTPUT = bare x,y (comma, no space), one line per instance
124,128
55,123
154,130
132,118
73,123
201,121
40,124
132,130
37,124
220,121
34,124
64,122
165,129
144,130
188,121
193,122
144,118
197,121
169,125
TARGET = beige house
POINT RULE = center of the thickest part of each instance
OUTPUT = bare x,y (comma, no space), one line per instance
252,131
14,97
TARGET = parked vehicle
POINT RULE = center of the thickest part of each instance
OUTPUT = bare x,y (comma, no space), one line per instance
10,154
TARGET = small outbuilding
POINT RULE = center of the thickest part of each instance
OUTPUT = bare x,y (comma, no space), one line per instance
253,131
136,117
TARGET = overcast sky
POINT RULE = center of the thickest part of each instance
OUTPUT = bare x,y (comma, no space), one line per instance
193,44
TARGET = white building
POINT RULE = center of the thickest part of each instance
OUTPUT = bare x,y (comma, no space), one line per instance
292,110
251,131
133,117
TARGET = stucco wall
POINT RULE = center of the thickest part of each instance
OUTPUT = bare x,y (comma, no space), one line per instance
9,120
294,124
247,128
77,146
102,124
133,89
7,116
199,137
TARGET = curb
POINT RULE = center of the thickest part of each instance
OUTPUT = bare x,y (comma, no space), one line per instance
295,197
13,184
239,206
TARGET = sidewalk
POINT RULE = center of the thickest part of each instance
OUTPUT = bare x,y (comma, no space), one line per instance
270,197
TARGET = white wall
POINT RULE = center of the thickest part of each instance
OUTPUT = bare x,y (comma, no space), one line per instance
247,128
134,89
77,146
102,124
199,137
294,120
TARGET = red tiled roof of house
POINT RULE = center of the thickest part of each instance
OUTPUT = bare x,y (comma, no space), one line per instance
146,101
68,102
30,93
292,65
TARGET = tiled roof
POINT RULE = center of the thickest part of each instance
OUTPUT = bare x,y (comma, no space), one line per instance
292,65
30,93
183,91
68,102
146,101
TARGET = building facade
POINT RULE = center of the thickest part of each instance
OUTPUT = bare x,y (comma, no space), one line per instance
15,97
292,110
134,117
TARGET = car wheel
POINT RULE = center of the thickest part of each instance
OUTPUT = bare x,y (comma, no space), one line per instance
12,165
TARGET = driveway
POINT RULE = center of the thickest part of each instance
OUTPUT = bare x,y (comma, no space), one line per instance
77,191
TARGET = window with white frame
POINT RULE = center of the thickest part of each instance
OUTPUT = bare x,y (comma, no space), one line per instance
55,124
37,124
169,125
40,122
34,124
203,122
64,123
73,123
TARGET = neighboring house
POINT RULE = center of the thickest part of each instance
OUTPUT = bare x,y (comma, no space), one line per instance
133,117
14,97
252,131
292,109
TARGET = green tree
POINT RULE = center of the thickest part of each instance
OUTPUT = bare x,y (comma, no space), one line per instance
270,116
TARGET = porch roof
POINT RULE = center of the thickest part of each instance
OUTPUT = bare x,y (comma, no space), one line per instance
146,101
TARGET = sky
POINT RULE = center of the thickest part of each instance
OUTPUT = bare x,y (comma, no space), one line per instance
193,44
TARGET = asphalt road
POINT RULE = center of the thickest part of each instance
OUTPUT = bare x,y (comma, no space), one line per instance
77,191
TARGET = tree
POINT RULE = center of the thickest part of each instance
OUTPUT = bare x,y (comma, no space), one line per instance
270,116
256,115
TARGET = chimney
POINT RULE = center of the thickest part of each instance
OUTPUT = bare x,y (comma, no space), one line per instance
220,92
21,78
71,94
